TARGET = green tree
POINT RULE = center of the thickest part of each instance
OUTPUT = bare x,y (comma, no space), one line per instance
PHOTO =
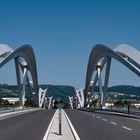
56,102
16,103
66,105
127,102
1,101
119,103
94,102
6,102
30,103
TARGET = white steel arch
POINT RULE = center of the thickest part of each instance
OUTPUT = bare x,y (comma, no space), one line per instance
25,59
101,55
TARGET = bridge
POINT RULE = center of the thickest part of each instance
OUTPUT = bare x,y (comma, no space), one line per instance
81,122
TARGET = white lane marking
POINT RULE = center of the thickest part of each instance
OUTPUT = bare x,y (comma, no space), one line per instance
134,119
113,123
72,127
93,115
98,117
104,120
16,113
49,127
126,128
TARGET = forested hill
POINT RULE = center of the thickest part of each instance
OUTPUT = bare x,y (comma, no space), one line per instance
63,91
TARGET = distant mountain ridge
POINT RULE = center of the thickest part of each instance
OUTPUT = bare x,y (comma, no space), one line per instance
59,91
63,91
126,89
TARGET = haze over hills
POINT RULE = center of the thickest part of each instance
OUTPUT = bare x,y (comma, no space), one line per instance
125,89
63,91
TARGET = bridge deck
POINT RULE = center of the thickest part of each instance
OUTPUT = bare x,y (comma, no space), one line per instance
93,126
88,125
29,126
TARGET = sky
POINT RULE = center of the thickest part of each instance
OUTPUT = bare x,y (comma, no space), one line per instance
63,32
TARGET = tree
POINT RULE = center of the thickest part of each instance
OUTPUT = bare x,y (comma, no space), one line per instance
4,102
1,101
94,102
119,103
127,102
30,102
16,103
66,105
56,102
122,103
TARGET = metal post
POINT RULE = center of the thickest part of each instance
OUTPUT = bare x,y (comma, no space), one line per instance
111,106
128,108
13,108
60,106
60,122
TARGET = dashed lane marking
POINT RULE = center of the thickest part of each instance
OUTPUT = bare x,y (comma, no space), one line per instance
113,123
126,128
104,120
134,119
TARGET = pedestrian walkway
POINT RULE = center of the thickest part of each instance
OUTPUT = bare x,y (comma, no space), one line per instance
67,131
15,113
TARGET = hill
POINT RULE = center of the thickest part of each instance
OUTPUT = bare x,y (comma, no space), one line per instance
59,91
63,91
125,89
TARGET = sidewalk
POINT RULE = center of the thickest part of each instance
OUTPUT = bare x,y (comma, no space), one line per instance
66,130
15,113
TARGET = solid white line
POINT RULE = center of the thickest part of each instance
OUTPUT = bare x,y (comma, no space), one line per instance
104,120
49,127
98,117
16,113
126,128
72,127
134,119
113,123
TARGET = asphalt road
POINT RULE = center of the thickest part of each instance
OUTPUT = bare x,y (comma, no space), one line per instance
94,126
29,126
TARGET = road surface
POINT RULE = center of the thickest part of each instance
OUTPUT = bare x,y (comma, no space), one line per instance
29,126
94,126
